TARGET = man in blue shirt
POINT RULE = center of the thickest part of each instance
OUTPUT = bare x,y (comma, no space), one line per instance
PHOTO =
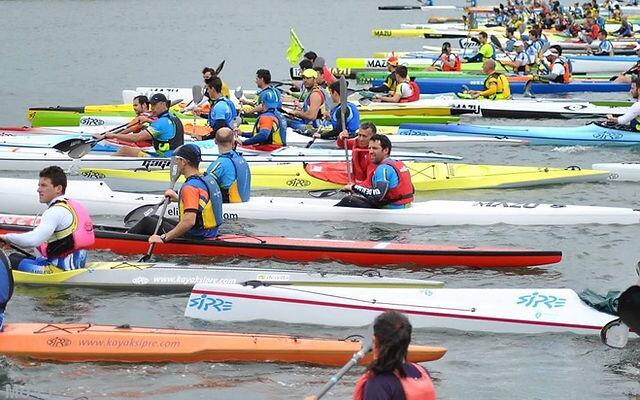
223,111
230,169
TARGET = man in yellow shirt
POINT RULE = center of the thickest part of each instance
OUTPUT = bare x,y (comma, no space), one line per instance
496,86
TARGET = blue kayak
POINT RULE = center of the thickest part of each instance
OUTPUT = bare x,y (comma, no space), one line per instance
448,85
593,134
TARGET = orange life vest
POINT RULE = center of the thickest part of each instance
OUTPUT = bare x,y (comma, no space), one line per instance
415,93
414,388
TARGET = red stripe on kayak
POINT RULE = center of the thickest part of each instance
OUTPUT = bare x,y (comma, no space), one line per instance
372,308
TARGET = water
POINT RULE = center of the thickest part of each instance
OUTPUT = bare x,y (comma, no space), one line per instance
85,52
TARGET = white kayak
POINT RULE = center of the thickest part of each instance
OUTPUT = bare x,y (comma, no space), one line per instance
629,172
174,277
484,310
99,199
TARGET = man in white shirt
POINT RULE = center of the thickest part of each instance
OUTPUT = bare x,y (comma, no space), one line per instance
631,116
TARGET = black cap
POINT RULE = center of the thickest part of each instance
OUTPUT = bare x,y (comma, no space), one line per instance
189,152
158,97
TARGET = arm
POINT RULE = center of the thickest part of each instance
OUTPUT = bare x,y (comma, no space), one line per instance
265,126
338,127
631,113
315,102
131,137
51,218
187,222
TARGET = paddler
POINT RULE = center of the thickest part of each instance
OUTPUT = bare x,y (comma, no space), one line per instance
520,63
406,91
204,106
496,85
486,50
559,67
141,106
199,203
165,132
269,132
230,169
390,83
359,146
351,116
625,29
223,111
390,376
626,76
388,185
63,233
605,47
632,116
314,103
268,97
448,61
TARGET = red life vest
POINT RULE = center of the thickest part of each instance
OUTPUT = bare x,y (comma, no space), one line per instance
79,235
360,161
415,93
413,388
456,67
566,77
401,194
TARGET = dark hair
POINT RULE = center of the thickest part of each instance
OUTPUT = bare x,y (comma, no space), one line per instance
264,74
511,29
558,48
392,331
602,31
215,83
56,175
319,70
446,45
629,307
335,87
305,64
142,99
402,71
369,125
483,34
310,55
384,140
208,69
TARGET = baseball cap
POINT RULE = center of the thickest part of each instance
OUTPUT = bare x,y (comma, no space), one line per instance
309,73
550,52
392,61
158,97
518,43
189,152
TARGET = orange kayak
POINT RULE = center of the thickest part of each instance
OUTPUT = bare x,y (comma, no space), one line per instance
87,342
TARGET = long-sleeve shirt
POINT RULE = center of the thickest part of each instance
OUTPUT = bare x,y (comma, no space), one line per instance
631,113
53,219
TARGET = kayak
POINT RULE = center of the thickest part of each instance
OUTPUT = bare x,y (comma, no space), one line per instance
316,176
367,76
524,311
99,199
181,278
625,172
302,250
593,134
444,85
85,342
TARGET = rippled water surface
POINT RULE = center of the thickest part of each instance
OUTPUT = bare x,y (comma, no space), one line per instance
65,52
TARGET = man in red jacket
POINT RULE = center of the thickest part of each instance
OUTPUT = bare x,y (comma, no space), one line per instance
359,146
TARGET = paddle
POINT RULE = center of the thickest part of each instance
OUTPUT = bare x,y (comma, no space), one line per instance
175,174
140,212
219,67
367,344
615,334
19,250
197,96
343,111
323,193
613,78
69,144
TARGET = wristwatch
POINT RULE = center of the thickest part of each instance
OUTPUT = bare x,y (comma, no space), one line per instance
163,237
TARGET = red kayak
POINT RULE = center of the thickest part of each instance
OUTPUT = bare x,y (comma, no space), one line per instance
364,253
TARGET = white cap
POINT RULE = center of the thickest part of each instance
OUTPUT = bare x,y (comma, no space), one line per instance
550,52
518,43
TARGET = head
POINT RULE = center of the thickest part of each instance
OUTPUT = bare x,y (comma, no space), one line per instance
489,66
392,63
629,308
214,88
366,131
391,339
140,104
224,139
551,55
334,92
602,35
320,79
159,104
557,48
263,78
446,48
518,46
305,64
635,86
401,73
311,56
309,77
534,34
379,148
510,32
208,73
483,37
188,157
52,183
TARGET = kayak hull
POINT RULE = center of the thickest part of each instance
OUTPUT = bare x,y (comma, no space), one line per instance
624,172
84,342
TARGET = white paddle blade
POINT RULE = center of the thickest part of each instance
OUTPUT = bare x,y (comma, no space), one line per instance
196,93
235,124
238,92
615,334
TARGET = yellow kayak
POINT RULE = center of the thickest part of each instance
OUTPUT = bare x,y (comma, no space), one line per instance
332,175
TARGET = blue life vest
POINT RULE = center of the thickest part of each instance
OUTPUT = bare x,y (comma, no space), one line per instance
270,97
6,284
280,131
240,189
232,115
209,215
353,119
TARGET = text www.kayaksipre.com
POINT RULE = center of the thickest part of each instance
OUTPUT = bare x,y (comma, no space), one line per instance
132,343
193,280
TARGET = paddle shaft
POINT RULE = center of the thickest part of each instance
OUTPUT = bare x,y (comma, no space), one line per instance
152,246
343,112
334,379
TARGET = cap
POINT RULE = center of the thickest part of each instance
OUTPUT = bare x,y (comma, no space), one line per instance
158,97
392,61
637,47
189,152
550,52
309,73
518,43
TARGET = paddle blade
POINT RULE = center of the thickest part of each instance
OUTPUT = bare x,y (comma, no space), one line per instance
69,144
363,101
323,193
238,92
174,172
196,92
81,150
343,95
219,67
235,124
615,334
139,213
496,42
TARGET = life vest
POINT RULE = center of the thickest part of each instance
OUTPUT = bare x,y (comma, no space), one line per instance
503,90
391,82
352,121
240,189
305,106
77,236
209,214
635,124
162,146
456,67
233,113
278,135
415,93
493,51
414,388
270,97
6,284
401,194
566,64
